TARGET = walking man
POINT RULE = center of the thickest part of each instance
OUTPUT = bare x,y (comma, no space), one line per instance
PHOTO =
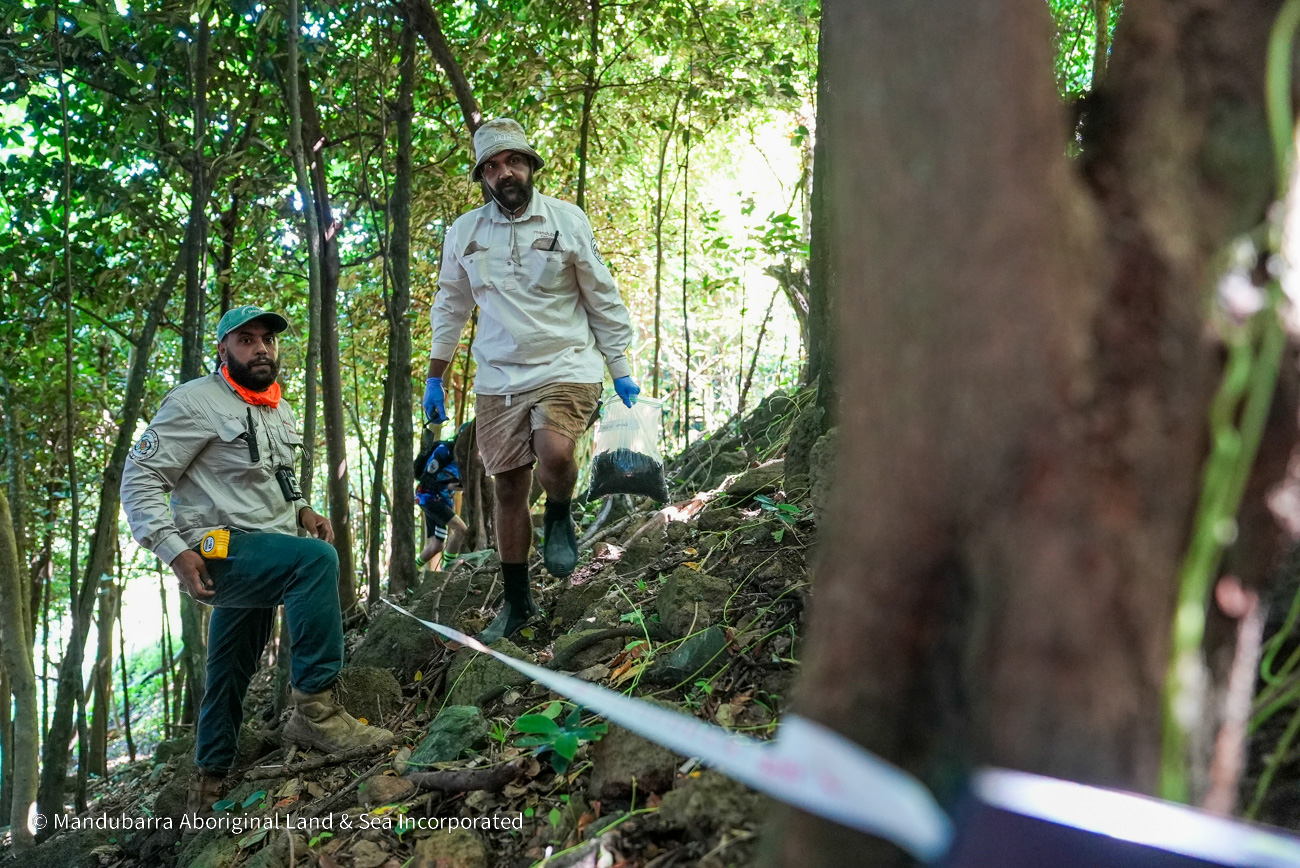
235,534
550,321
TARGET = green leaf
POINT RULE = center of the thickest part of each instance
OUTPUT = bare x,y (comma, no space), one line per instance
553,710
223,805
537,723
566,745
253,799
554,817
254,838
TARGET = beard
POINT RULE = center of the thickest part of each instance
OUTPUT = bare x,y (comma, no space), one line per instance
513,194
254,376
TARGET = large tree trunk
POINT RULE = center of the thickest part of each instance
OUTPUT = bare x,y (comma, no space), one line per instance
336,455
16,646
401,574
1025,397
590,87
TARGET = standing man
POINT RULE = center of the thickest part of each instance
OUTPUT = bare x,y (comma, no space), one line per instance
550,321
235,535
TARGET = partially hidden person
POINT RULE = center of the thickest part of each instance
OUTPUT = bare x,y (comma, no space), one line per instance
210,489
437,477
550,322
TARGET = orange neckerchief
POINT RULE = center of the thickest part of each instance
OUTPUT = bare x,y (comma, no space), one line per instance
268,397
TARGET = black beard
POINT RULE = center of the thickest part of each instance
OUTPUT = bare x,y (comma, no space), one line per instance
513,195
257,380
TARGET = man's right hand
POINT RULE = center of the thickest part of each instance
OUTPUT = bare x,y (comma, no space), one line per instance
192,571
434,403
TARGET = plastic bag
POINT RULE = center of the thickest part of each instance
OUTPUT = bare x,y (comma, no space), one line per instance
628,460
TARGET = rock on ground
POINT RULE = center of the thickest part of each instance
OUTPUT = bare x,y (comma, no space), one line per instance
622,757
691,600
763,479
708,802
699,656
456,848
471,674
456,731
369,692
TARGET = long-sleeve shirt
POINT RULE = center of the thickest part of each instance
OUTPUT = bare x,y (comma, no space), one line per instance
549,310
196,449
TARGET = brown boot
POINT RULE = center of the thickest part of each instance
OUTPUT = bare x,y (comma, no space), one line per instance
320,722
205,789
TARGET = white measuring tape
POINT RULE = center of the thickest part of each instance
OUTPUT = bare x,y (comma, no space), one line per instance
807,765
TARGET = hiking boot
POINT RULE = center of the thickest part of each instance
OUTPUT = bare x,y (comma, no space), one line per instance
560,548
512,617
320,722
205,790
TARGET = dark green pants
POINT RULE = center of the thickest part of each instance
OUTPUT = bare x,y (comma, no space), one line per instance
265,570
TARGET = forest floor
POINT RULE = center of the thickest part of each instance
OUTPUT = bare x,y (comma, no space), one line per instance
697,605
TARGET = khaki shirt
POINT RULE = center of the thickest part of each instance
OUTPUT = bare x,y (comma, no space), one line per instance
549,311
193,449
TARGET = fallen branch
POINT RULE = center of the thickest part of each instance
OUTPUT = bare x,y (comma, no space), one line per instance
582,643
464,780
333,759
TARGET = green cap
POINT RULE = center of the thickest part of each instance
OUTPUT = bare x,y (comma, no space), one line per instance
237,316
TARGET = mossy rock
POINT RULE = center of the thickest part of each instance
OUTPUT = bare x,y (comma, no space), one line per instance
590,656
573,603
458,730
75,849
691,600
454,848
369,692
622,760
710,802
472,675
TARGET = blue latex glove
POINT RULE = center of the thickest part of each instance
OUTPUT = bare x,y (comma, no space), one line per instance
435,405
627,389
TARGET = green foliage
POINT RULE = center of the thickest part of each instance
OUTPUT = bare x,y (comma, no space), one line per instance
558,741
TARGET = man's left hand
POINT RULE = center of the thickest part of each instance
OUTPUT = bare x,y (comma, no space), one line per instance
316,524
627,389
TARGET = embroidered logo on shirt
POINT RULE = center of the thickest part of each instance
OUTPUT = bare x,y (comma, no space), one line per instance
595,252
146,447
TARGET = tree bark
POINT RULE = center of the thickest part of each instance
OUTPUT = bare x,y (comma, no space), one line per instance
337,487
290,81
101,679
420,16
402,575
590,87
1026,395
16,646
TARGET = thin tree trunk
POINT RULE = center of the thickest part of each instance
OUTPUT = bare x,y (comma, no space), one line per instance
102,679
225,260
336,459
126,685
16,646
659,244
165,653
1101,12
753,362
291,81
590,86
402,575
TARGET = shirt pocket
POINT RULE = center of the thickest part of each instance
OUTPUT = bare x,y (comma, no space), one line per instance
233,460
474,259
547,259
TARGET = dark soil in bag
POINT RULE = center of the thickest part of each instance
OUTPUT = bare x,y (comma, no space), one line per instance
623,471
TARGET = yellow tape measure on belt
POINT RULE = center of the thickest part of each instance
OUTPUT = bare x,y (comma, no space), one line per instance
215,544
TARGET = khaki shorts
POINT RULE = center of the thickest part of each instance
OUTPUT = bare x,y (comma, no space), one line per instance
506,423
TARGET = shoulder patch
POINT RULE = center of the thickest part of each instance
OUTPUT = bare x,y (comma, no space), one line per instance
146,447
595,252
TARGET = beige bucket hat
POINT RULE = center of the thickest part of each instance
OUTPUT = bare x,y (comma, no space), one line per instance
497,135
